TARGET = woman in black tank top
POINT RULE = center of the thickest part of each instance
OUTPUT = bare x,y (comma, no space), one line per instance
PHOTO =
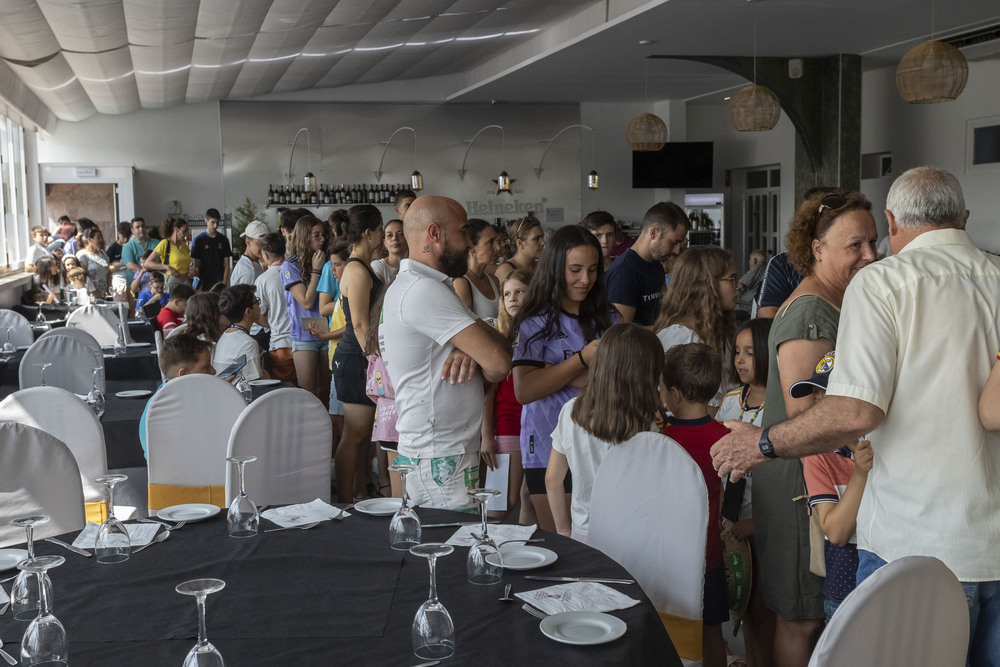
359,288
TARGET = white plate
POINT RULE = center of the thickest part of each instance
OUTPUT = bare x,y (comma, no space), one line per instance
583,628
523,557
379,506
9,558
264,383
190,512
133,393
137,344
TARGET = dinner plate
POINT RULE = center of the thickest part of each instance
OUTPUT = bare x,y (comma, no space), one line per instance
265,382
583,628
133,393
140,344
9,558
379,506
523,557
190,512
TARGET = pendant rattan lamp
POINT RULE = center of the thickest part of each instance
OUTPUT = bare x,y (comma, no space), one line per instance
932,72
646,132
754,108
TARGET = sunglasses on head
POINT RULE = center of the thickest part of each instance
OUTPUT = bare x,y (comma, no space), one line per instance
831,203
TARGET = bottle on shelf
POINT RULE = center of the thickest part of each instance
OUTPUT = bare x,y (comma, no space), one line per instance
270,195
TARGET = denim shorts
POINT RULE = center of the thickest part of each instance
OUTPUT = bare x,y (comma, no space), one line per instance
313,345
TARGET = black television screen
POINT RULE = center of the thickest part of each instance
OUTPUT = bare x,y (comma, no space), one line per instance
679,164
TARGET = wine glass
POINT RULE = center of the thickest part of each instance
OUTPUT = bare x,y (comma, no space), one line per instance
40,321
404,529
95,399
243,386
485,564
8,350
202,654
120,347
243,519
41,367
24,594
433,631
44,642
112,544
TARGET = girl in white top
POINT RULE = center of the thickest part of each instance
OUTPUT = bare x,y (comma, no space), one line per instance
620,401
95,261
697,307
478,290
395,244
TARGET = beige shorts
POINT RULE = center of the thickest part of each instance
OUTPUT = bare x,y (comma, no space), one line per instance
443,482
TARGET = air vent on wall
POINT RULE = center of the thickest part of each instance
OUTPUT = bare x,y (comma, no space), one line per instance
978,44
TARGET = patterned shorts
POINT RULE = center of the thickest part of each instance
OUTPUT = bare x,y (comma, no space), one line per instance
443,482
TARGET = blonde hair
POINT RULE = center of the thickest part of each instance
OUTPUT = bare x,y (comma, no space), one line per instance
505,319
693,296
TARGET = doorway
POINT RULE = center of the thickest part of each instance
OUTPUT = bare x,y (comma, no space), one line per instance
97,201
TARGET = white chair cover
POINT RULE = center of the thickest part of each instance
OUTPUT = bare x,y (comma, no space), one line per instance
71,358
38,475
187,430
177,329
910,612
158,341
79,334
66,417
649,511
20,328
289,431
99,322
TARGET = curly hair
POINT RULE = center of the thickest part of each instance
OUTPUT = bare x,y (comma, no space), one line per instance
693,294
810,224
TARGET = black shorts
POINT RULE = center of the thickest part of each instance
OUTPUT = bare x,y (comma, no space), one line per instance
715,608
535,478
349,374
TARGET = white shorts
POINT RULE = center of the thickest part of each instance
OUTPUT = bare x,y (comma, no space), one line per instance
443,482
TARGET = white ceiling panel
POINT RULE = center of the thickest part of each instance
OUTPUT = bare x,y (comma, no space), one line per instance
108,79
86,27
54,83
160,22
219,19
216,65
161,73
25,35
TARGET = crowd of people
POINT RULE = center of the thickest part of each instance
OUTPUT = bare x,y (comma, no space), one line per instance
827,393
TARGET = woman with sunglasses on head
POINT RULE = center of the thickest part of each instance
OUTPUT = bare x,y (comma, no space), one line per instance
525,240
831,238
478,290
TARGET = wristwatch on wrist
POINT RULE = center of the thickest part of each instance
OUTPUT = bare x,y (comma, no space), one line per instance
766,448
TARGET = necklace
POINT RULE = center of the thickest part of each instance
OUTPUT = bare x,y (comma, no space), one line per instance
744,408
244,330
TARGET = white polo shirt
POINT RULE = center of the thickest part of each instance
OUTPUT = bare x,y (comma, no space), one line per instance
918,335
273,307
420,314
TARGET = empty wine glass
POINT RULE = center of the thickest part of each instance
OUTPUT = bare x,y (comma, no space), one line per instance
203,654
24,594
120,347
433,631
243,519
243,386
95,399
112,544
42,366
44,641
404,529
8,350
40,321
485,564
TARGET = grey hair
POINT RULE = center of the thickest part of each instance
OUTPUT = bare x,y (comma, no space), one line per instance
926,196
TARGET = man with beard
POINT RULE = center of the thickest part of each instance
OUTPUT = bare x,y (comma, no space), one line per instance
434,348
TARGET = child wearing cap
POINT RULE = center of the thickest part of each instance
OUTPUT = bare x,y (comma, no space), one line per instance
835,482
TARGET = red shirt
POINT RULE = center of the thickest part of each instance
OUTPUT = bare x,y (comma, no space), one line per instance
508,410
168,319
697,436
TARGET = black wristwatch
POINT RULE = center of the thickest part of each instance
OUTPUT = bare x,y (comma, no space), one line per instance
766,448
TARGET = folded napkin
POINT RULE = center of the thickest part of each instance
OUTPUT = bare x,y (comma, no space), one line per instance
297,515
498,532
3,596
138,534
577,596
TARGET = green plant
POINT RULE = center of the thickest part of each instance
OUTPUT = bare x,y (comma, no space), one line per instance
243,216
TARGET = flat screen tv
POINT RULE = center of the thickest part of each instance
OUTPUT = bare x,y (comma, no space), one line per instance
679,164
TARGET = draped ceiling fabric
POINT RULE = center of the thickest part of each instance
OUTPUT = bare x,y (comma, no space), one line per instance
78,58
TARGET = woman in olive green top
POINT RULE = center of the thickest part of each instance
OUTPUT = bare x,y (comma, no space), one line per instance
832,237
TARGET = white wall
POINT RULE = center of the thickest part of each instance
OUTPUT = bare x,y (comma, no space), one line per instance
933,134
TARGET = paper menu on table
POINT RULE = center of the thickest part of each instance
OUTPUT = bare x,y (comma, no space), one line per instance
463,537
303,513
577,596
138,534
498,479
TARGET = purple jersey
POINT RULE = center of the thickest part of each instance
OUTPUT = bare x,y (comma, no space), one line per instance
290,277
538,419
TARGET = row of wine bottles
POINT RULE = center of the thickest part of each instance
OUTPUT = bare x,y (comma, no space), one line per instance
333,195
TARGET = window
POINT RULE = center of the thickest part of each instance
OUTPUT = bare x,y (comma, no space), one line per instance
14,200
982,144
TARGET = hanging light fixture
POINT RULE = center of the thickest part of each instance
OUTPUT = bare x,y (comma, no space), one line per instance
503,183
309,182
593,179
416,178
646,132
932,72
754,108
416,181
504,180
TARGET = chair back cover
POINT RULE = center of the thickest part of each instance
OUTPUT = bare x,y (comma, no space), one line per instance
79,334
158,341
38,475
68,418
289,431
177,329
187,433
20,328
100,322
71,356
910,612
649,511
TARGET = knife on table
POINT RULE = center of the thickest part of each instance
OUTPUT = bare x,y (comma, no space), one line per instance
76,550
595,580
455,524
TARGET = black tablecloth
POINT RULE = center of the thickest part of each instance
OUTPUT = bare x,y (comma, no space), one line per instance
335,594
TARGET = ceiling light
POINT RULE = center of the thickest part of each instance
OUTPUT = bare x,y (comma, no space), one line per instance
646,42
754,108
646,132
932,72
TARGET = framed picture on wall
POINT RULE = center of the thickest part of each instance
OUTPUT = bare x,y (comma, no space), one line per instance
982,144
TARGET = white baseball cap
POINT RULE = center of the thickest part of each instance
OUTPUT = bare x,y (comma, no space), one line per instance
255,230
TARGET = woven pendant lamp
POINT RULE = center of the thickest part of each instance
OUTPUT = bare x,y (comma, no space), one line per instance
646,132
932,72
754,109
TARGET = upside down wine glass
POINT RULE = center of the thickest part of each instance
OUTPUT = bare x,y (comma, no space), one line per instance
40,321
42,365
484,564
433,632
243,519
25,593
8,350
203,654
404,529
44,641
112,544
95,399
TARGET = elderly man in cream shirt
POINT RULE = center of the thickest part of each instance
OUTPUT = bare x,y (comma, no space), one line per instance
918,335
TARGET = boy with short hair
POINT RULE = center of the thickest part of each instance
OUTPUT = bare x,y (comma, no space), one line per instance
240,305
211,253
273,310
173,313
77,279
38,249
690,379
154,291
